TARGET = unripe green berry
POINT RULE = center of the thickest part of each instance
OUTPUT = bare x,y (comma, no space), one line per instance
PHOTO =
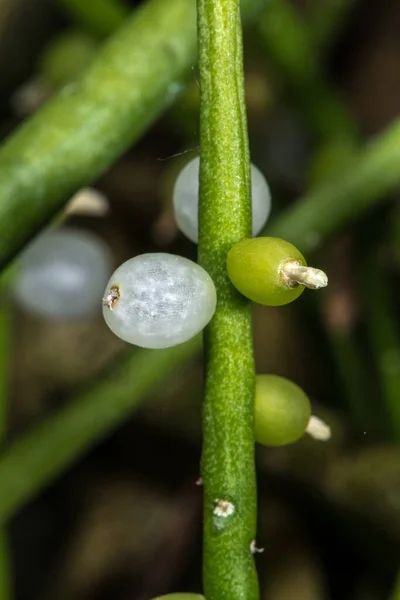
282,411
254,267
271,271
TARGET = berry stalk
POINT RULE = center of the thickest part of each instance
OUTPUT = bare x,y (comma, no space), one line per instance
224,219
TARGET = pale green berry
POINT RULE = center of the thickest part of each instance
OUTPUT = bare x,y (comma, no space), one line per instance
271,271
282,411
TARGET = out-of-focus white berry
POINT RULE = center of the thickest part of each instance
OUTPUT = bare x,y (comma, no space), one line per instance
62,273
158,300
186,200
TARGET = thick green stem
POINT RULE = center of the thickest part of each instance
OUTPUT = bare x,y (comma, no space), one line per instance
225,218
38,457
80,132
341,198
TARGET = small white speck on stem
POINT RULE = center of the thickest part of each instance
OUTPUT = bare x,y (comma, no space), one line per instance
254,549
223,508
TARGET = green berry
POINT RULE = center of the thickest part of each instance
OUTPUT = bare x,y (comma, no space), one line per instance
255,269
282,411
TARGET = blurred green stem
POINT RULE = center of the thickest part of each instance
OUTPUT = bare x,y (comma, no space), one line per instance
288,43
228,467
5,350
365,180
38,457
83,129
291,45
326,21
100,17
351,372
395,595
384,339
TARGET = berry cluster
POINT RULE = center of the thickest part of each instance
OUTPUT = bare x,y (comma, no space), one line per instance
160,300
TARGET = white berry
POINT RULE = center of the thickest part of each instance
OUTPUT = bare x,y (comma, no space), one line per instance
158,300
186,200
62,273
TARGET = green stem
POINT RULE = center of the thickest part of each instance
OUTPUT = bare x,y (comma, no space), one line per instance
79,133
340,199
38,457
225,218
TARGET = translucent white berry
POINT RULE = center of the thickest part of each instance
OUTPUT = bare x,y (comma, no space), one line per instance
186,200
158,300
62,273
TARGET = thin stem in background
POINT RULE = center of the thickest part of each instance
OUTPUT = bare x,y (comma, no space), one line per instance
289,45
228,467
326,21
384,340
363,182
100,17
395,595
5,350
39,456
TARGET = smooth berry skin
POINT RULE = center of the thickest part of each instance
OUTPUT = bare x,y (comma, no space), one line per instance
62,273
254,267
186,200
163,300
281,411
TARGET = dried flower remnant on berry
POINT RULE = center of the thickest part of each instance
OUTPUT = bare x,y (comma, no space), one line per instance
112,297
254,548
318,429
293,273
160,300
